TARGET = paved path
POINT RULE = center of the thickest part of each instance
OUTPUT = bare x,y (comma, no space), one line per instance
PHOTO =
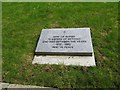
7,86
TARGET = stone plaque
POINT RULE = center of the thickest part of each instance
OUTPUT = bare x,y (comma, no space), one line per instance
66,41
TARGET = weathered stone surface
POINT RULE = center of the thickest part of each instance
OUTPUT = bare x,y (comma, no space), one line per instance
67,41
65,60
8,86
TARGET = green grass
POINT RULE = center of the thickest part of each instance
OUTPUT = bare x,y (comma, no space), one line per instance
22,24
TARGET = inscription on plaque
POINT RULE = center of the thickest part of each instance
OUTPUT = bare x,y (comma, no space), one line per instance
69,41
63,41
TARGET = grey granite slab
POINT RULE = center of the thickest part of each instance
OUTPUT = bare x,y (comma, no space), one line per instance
66,41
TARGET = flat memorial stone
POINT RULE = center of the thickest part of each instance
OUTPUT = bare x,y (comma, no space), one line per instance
68,46
67,41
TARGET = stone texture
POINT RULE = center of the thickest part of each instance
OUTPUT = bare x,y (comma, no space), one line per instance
67,41
7,86
66,60
52,42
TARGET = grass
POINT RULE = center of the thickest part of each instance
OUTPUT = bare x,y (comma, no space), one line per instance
22,24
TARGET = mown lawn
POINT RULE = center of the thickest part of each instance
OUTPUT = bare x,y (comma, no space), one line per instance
22,24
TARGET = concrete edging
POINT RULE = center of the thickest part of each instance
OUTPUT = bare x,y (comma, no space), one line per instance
8,86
